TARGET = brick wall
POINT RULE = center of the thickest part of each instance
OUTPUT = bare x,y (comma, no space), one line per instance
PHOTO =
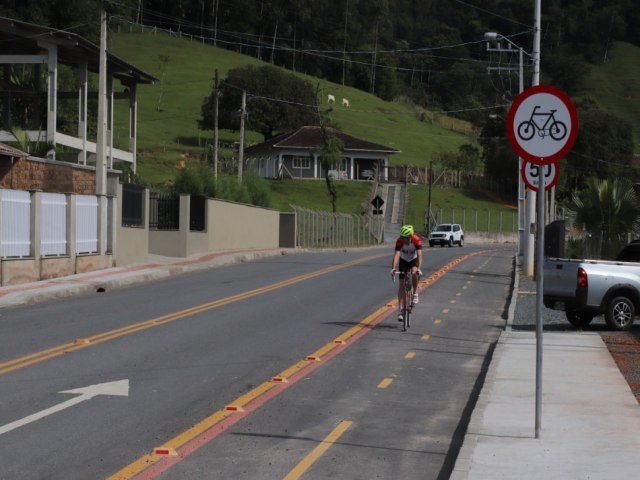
45,175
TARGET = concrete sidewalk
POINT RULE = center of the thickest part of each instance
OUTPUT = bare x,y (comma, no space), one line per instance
156,268
589,418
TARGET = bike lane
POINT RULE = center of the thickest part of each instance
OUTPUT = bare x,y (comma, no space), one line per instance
374,386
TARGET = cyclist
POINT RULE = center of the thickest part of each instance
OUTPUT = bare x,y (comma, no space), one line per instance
407,256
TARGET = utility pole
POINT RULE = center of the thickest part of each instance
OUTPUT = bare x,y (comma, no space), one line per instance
216,99
492,37
429,201
101,150
101,147
241,148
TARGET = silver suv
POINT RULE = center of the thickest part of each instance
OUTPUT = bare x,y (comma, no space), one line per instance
447,234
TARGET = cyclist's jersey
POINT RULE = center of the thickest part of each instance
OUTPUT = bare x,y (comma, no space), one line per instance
409,251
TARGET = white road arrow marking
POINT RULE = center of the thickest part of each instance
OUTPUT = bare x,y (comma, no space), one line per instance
118,388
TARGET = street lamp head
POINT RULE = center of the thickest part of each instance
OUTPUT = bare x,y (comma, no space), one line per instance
491,36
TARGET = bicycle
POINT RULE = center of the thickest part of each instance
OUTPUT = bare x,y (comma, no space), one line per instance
557,129
407,304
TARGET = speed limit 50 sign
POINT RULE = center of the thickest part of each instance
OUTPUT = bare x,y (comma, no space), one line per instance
533,175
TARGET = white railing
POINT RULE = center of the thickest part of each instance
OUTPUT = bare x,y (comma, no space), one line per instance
15,238
53,224
86,224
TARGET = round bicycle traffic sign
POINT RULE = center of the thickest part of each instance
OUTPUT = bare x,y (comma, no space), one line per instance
542,124
532,174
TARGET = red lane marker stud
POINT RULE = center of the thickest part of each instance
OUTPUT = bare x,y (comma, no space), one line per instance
279,380
82,341
339,342
234,408
165,452
312,358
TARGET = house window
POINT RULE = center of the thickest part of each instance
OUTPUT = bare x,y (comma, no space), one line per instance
301,162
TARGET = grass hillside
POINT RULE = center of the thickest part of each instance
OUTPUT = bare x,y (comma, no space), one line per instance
169,110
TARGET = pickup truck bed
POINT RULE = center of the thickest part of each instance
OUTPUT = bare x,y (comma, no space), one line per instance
586,288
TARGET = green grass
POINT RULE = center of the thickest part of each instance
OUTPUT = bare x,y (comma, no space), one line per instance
313,194
168,110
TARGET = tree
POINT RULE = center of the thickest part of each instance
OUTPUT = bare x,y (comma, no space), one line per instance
604,147
276,101
608,210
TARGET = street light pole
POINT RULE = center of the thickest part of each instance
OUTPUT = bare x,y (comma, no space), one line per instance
494,45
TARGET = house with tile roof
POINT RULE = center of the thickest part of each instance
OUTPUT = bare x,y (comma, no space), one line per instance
297,155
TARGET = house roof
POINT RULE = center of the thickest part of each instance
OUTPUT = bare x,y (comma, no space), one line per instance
7,151
21,38
311,137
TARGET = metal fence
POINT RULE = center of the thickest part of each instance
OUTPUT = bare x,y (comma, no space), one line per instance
132,205
164,211
475,220
316,229
197,212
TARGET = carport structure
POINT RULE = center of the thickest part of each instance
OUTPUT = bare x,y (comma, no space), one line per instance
25,44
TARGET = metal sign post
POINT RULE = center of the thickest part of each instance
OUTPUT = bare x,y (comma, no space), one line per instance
542,126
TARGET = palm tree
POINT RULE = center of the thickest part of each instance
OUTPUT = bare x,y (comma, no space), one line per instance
608,210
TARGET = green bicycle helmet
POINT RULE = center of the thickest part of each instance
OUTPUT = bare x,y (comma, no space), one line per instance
406,231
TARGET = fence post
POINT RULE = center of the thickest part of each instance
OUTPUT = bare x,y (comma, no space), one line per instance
184,222
36,231
102,224
72,205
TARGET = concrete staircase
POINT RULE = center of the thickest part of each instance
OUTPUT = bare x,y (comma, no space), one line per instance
393,195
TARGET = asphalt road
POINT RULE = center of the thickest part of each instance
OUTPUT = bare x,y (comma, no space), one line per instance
288,367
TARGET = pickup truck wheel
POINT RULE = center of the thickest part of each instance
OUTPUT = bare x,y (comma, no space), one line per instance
620,313
461,242
579,319
450,242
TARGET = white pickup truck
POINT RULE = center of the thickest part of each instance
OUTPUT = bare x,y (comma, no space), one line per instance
587,288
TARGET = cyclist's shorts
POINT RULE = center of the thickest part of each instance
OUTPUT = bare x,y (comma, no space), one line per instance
404,266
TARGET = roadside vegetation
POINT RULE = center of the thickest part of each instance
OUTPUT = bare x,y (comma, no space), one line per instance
444,108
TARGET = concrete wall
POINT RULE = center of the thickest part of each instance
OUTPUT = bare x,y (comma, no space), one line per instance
233,225
229,225
131,243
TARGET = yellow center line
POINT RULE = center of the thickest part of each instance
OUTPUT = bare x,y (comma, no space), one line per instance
317,452
385,382
217,417
17,363
410,355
